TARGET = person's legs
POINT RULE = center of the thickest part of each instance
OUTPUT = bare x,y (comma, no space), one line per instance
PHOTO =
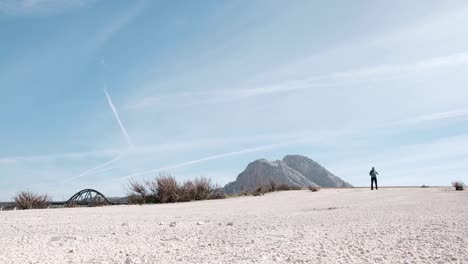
372,183
376,183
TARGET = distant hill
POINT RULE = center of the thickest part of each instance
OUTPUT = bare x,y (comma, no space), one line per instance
293,170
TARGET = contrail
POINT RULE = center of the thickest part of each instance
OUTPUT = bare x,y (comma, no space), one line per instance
100,166
116,114
118,157
191,162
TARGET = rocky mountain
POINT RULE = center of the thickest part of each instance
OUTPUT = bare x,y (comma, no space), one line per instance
293,170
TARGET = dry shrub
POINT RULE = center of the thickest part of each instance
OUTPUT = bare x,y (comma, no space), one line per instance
152,190
259,191
136,199
200,189
272,186
458,185
165,189
137,188
243,192
141,193
30,200
203,188
285,187
314,188
168,188
187,191
217,193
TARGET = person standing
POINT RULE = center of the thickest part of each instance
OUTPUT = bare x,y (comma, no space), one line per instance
373,173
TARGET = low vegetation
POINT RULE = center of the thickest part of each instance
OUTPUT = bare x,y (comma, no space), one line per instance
458,185
30,200
273,187
314,188
166,189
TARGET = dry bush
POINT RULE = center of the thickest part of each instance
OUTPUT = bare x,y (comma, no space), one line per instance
314,188
295,188
259,191
243,192
285,187
217,193
187,191
459,185
136,199
30,200
152,190
200,189
168,188
165,189
141,193
272,186
136,188
203,188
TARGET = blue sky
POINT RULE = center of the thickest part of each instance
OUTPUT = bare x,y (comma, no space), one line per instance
201,88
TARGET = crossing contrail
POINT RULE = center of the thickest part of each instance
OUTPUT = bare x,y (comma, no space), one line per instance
118,157
116,114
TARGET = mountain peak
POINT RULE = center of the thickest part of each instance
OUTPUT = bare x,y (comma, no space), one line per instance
293,170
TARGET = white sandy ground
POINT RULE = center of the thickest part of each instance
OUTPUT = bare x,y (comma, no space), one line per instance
400,225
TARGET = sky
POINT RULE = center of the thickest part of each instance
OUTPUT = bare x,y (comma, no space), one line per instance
96,92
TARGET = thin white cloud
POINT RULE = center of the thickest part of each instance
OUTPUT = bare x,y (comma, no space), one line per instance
119,121
305,137
96,169
180,145
7,161
28,7
105,169
67,156
403,69
196,161
116,24
452,114
389,71
203,143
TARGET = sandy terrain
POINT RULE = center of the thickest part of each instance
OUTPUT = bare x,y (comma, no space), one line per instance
407,225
